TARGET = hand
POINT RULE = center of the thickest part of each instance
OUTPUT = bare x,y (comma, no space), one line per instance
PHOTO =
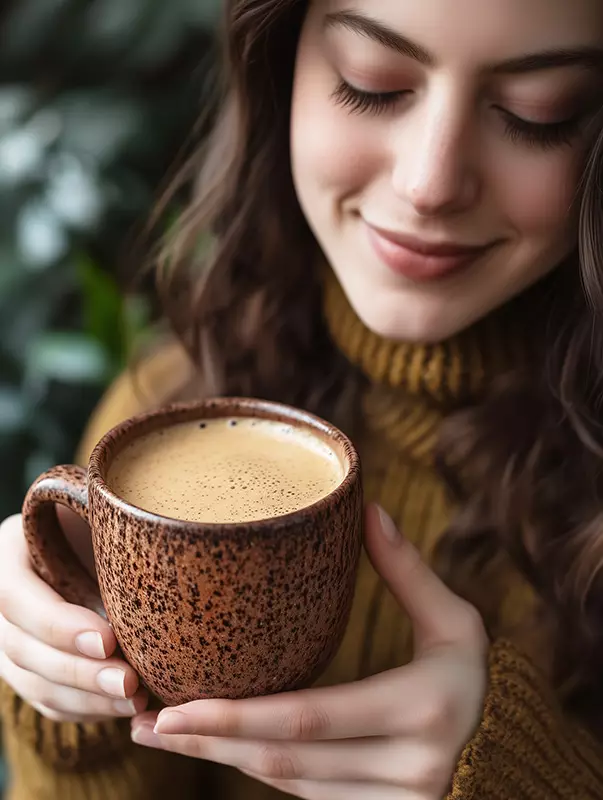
394,736
53,654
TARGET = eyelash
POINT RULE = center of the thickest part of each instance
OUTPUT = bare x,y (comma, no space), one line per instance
533,134
358,101
547,136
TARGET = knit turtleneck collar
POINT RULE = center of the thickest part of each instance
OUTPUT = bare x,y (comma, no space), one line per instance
413,385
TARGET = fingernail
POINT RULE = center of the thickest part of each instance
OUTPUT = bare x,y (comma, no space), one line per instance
389,528
143,734
91,644
171,722
112,681
127,708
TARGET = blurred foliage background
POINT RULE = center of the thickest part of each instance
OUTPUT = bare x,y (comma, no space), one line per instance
97,98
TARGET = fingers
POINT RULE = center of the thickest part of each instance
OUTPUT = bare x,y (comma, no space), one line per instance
438,615
337,713
54,654
272,767
30,604
111,677
389,704
63,702
58,716
394,762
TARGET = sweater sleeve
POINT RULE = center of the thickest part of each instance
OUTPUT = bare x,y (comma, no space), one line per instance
68,761
526,748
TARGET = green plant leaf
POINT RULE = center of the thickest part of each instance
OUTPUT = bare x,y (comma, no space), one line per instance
102,305
112,319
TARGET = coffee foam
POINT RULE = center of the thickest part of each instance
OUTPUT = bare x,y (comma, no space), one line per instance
226,470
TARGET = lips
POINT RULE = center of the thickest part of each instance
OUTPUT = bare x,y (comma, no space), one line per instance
418,260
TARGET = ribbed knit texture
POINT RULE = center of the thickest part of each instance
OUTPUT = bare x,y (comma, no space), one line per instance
524,749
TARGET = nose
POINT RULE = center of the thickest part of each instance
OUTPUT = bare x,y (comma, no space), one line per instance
436,169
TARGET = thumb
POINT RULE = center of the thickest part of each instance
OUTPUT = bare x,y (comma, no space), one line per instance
438,615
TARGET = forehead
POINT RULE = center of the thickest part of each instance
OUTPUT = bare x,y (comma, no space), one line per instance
483,31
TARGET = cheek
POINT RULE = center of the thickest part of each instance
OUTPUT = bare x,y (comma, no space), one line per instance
539,199
333,153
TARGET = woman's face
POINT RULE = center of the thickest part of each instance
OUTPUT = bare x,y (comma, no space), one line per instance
437,147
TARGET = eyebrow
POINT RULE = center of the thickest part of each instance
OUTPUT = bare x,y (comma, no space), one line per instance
587,57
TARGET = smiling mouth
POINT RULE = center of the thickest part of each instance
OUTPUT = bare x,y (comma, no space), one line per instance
421,261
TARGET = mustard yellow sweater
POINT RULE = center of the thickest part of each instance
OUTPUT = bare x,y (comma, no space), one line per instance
524,749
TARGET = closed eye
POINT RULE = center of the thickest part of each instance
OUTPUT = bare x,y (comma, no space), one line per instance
546,135
358,101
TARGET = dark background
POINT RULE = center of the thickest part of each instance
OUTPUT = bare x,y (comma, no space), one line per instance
97,98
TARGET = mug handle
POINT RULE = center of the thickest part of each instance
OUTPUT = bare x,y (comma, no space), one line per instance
52,557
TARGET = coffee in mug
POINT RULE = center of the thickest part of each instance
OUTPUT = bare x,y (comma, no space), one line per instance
226,470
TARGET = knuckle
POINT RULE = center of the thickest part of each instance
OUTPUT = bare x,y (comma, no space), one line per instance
277,763
471,626
427,773
51,631
306,722
45,694
225,719
438,714
65,673
77,673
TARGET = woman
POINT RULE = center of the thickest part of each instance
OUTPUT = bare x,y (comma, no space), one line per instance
404,202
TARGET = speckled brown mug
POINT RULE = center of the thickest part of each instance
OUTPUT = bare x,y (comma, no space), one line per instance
208,609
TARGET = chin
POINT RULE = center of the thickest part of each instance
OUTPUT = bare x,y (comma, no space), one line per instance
410,319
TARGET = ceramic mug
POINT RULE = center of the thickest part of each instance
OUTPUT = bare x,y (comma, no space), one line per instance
207,610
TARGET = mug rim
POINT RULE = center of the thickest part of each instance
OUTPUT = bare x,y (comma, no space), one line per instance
99,464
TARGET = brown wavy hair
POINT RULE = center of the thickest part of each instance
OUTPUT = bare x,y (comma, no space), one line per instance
239,283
